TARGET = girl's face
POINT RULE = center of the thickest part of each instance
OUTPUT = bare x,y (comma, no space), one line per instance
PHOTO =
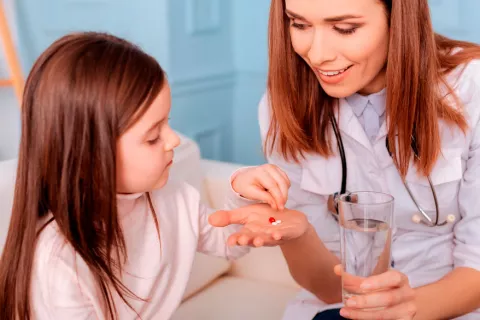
345,42
145,150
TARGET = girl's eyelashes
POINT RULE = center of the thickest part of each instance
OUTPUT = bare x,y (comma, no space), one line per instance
154,141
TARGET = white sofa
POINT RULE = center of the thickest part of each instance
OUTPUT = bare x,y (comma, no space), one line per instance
255,287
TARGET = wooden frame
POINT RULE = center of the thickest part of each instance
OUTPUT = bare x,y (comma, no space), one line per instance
16,79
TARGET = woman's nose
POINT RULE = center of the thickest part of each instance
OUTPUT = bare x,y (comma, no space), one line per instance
321,50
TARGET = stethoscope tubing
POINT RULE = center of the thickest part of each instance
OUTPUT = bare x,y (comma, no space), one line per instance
343,188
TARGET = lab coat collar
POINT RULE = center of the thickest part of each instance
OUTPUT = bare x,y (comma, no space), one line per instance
350,126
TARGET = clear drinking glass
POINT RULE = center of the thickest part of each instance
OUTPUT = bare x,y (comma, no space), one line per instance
365,220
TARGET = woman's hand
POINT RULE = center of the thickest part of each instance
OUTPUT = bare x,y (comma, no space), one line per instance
266,183
258,229
387,295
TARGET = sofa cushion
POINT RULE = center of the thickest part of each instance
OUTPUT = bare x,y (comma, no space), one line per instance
8,170
205,270
237,299
257,265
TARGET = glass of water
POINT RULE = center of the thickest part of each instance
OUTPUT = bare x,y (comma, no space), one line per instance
365,220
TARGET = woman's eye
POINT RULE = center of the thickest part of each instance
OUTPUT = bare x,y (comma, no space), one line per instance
345,30
296,25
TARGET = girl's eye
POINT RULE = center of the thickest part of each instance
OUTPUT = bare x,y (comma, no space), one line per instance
154,141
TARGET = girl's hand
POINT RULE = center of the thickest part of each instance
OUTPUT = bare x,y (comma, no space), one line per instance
258,230
387,295
266,183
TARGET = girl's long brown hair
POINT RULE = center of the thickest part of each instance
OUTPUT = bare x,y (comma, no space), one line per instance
82,93
417,63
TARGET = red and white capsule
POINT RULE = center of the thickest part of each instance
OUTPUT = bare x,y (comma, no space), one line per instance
274,222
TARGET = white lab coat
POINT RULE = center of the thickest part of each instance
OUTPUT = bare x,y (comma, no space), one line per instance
424,254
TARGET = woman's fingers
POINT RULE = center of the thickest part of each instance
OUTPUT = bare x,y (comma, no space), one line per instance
386,298
406,310
389,279
267,181
350,282
261,194
280,193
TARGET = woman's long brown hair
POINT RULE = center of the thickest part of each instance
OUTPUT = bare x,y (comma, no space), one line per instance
82,93
417,63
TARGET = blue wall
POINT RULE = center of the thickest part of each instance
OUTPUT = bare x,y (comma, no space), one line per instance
251,59
42,22
214,51
202,73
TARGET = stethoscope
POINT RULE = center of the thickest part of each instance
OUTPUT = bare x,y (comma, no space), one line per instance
415,218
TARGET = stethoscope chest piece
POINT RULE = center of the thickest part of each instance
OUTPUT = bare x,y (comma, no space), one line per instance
420,218
416,218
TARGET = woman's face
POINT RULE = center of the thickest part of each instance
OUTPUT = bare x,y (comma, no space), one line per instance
345,42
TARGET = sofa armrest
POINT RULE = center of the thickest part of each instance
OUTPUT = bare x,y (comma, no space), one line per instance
217,181
265,264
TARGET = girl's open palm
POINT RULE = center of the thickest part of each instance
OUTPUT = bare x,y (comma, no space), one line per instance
262,225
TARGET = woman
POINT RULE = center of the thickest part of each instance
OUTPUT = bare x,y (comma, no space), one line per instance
378,69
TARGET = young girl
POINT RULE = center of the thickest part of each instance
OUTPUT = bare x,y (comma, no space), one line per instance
96,231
